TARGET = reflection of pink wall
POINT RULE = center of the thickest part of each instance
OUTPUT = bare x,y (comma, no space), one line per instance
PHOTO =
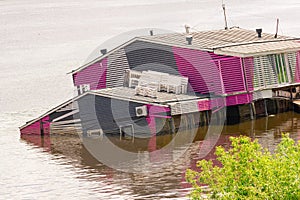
153,112
197,66
43,142
94,75
297,75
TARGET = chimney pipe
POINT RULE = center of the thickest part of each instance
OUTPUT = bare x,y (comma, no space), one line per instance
151,32
103,51
189,39
187,29
259,32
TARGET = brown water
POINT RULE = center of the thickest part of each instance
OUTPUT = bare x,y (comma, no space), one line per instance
70,155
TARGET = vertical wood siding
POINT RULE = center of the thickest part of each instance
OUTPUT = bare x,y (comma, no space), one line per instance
264,72
117,64
292,61
297,74
197,65
94,75
276,69
108,114
249,70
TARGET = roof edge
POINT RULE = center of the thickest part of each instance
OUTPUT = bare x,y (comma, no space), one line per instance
53,110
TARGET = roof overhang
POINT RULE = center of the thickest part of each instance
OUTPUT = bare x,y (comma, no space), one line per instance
260,49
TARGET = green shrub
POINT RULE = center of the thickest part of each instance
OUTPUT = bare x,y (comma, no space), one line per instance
249,172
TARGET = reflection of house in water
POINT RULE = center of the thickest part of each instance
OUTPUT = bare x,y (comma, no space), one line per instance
267,130
159,83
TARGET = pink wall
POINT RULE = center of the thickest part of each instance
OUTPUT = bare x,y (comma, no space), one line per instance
209,72
202,72
216,103
204,105
232,74
239,99
35,128
95,75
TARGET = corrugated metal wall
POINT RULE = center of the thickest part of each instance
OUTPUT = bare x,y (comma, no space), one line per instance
232,74
108,114
144,56
117,64
198,66
94,75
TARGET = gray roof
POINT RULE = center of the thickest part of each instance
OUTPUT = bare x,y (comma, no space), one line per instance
232,42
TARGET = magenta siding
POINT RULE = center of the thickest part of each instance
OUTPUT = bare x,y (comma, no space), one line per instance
217,103
204,105
239,99
232,75
197,65
94,75
33,129
297,75
249,72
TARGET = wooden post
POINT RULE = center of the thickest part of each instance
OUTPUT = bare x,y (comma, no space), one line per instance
251,111
42,128
172,125
266,108
207,117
